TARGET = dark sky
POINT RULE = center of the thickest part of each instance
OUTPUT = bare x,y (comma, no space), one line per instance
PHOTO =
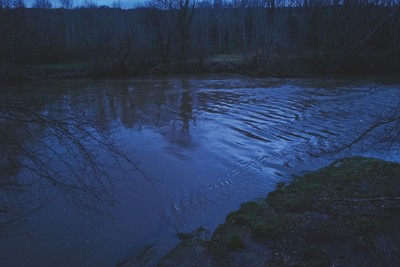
124,3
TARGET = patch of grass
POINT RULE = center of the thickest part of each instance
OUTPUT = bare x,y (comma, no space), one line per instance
59,66
280,185
235,242
349,178
226,238
373,224
248,213
184,236
314,256
231,58
330,230
276,225
348,225
337,203
240,219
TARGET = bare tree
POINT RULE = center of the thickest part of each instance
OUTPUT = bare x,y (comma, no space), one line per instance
18,4
181,12
45,4
117,4
70,152
124,50
370,33
67,4
162,29
89,4
184,20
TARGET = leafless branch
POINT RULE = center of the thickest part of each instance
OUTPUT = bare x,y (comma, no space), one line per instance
384,134
64,152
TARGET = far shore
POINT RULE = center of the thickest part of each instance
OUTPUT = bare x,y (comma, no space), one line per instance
221,65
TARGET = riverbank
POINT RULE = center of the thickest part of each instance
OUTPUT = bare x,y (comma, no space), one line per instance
21,73
346,214
231,64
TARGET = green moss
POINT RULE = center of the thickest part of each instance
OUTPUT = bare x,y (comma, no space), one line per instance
340,203
60,66
374,224
353,225
248,213
241,219
276,225
330,230
355,178
184,236
219,231
280,185
289,200
314,256
226,58
235,242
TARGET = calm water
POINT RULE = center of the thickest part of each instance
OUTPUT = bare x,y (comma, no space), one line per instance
207,143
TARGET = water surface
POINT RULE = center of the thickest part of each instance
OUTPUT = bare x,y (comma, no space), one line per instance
208,143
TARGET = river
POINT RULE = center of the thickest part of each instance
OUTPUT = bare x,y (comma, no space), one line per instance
205,144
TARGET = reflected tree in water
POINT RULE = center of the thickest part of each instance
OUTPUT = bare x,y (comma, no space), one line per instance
44,148
185,110
180,132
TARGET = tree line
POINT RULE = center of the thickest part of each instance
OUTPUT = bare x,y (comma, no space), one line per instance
321,35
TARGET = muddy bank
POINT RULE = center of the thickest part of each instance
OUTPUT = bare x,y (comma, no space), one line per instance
347,214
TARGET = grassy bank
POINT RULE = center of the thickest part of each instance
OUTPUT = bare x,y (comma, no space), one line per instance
347,214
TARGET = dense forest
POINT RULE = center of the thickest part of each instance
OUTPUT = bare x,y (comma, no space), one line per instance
271,36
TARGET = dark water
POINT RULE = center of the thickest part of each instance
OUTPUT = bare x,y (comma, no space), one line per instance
209,143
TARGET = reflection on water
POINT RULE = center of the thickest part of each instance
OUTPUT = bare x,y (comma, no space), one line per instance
209,143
